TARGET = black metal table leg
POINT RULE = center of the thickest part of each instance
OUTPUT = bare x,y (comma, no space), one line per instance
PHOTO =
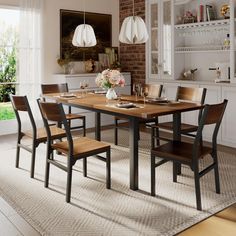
98,126
133,143
177,135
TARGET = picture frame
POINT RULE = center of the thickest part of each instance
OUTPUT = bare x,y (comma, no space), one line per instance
102,25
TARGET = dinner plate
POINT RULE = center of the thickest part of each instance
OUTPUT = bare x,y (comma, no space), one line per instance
100,92
68,95
157,99
126,105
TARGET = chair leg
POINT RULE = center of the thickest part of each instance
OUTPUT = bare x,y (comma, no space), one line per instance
47,169
153,176
197,188
85,166
116,132
17,155
84,127
157,134
216,170
33,160
175,172
108,169
68,185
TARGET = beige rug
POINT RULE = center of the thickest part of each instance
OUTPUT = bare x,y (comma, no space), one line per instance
94,210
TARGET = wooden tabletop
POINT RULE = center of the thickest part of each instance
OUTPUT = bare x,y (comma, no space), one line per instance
99,102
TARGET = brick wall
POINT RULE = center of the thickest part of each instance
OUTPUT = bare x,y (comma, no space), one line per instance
132,57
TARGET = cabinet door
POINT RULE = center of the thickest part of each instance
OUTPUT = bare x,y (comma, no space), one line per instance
190,117
153,45
159,47
229,120
166,42
213,96
169,91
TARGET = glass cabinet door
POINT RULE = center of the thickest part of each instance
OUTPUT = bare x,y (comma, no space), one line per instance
154,38
166,38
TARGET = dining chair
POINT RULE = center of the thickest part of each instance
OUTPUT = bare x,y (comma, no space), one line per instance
186,94
73,149
21,105
153,91
63,88
190,153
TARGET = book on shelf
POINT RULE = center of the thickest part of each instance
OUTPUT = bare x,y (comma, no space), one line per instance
210,13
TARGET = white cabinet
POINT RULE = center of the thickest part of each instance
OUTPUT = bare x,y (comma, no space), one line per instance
158,47
229,120
213,96
176,46
74,81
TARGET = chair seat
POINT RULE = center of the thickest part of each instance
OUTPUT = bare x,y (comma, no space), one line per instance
82,146
185,128
73,116
179,151
56,133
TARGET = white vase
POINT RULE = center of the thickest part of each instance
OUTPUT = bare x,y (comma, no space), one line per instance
111,94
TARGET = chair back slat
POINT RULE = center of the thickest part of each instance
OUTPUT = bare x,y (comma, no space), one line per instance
51,111
19,103
212,114
54,88
196,95
154,90
215,113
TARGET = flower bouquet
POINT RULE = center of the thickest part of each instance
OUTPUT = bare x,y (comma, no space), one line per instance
109,79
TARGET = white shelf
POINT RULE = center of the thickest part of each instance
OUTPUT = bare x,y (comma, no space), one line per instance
207,48
203,24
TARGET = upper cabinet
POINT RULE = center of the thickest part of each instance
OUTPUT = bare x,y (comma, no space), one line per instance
159,47
191,35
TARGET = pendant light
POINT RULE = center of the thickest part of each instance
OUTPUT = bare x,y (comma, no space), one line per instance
133,30
84,35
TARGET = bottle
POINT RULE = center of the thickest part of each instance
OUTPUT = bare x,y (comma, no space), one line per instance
227,42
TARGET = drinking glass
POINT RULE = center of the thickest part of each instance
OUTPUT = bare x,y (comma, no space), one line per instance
82,86
135,91
86,85
145,94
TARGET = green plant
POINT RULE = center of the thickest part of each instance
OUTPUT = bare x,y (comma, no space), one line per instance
6,111
8,62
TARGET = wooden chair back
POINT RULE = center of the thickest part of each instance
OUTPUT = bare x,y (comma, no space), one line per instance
189,94
51,111
21,103
212,114
54,88
154,90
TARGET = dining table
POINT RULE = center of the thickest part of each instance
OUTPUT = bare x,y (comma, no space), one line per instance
134,114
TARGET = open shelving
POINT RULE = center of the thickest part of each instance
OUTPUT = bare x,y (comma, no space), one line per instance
203,24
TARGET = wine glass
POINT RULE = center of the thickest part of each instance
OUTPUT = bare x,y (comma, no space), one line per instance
86,85
145,94
135,91
82,86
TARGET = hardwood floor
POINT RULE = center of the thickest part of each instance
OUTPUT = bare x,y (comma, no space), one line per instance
221,224
12,224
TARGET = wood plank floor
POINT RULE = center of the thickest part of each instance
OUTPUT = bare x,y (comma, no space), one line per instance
12,224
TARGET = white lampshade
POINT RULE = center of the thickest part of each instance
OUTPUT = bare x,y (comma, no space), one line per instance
133,30
84,36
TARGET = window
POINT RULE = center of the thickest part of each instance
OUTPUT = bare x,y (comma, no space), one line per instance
9,37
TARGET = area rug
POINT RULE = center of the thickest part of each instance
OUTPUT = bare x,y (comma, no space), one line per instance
94,210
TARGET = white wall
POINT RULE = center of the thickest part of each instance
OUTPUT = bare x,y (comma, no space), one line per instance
52,25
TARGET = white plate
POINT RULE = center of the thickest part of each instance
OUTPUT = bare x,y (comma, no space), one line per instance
157,99
68,95
100,92
125,105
